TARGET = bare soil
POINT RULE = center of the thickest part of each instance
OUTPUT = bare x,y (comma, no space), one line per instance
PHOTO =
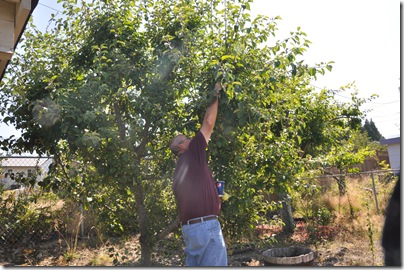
332,247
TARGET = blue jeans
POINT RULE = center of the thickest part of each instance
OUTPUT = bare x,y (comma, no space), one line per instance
204,244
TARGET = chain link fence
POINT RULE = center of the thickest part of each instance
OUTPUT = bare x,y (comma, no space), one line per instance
24,222
29,216
16,171
376,178
25,215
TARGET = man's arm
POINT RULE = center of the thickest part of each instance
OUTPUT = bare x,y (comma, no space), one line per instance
210,115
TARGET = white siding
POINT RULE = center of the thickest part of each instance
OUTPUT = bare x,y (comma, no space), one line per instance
23,165
394,156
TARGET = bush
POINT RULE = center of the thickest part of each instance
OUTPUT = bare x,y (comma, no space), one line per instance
25,217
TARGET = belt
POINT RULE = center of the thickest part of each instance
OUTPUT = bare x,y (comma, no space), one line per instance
198,220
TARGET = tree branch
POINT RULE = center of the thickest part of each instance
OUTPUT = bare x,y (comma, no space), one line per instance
333,176
140,149
119,122
168,229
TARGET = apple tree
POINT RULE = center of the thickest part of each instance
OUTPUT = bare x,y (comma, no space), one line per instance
107,88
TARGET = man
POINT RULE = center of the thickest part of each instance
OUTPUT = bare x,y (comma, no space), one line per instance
196,195
391,237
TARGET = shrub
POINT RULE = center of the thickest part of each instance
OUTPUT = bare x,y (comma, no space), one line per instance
26,217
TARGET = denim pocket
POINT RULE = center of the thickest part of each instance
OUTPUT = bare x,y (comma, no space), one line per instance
214,226
196,236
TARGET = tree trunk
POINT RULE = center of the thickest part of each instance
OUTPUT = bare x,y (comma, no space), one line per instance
286,214
145,240
341,184
145,248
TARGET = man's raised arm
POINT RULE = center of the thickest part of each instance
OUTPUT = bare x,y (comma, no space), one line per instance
209,119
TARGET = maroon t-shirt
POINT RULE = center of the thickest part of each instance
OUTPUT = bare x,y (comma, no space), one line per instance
193,185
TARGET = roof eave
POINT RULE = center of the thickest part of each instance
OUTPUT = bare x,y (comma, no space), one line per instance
34,3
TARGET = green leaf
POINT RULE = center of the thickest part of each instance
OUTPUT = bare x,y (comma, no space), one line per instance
80,77
213,62
242,120
312,71
224,57
291,58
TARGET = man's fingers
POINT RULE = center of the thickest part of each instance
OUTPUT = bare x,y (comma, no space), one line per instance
218,87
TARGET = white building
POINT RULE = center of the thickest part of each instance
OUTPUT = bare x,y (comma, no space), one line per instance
25,166
393,147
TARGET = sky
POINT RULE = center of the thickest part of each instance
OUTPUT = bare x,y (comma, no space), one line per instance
361,37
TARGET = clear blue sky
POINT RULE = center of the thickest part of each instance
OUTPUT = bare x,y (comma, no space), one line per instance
361,37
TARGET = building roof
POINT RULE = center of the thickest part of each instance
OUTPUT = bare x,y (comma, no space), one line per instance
14,16
390,141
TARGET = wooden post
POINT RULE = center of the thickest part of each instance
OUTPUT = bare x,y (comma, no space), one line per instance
82,218
374,192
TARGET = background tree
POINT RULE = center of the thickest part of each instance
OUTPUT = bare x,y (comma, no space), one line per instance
343,158
110,85
370,128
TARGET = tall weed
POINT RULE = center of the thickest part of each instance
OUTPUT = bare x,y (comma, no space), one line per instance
68,229
353,213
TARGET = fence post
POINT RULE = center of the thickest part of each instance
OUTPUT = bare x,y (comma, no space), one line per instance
82,222
374,192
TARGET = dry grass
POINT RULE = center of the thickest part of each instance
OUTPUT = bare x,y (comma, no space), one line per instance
101,259
359,220
344,242
351,211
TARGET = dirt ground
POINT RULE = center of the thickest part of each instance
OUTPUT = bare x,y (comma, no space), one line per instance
331,249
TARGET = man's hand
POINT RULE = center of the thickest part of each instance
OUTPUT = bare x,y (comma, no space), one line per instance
217,89
225,197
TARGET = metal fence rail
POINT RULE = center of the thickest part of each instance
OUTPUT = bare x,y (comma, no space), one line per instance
30,216
23,219
15,169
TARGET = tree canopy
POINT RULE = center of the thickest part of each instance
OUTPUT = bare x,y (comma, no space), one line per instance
106,90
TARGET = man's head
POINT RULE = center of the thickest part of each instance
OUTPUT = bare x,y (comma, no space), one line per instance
179,144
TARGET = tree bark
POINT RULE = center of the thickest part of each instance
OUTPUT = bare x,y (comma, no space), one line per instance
145,237
340,181
341,184
168,229
145,249
286,214
119,121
